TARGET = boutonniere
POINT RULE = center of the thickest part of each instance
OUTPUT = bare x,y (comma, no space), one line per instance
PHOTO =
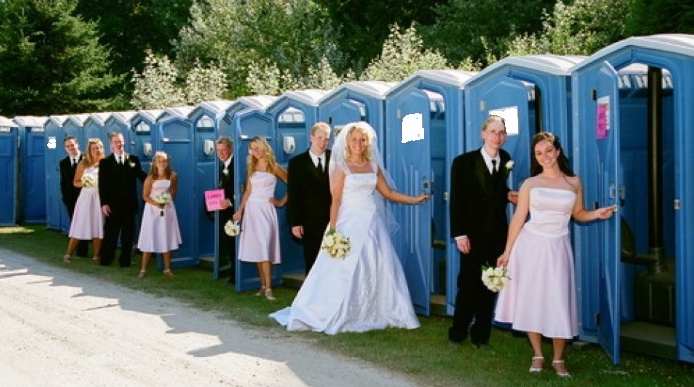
225,171
509,165
130,163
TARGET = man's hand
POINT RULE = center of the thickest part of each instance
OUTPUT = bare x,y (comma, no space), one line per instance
298,231
106,210
463,244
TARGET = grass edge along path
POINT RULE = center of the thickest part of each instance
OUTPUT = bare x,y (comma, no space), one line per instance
422,355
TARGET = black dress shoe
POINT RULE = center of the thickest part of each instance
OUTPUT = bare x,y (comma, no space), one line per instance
455,344
481,345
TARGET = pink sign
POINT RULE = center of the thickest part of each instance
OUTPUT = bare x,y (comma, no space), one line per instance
603,118
214,199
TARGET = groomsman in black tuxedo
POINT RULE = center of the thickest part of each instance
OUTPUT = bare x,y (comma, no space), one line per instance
68,191
309,193
227,244
118,175
479,196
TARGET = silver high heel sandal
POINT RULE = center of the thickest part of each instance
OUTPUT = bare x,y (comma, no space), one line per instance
564,373
533,366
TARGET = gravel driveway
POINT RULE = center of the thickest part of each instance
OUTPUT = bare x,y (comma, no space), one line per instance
61,328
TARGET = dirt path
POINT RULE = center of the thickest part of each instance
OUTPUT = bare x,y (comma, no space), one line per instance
60,328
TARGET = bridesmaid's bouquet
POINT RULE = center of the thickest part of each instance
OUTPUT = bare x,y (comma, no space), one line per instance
88,181
494,278
335,244
162,200
232,228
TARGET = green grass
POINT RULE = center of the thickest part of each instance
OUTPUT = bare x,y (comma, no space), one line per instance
422,354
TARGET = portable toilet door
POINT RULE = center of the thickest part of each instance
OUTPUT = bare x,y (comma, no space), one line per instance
424,118
73,126
32,169
9,163
293,114
248,124
356,101
632,151
142,135
55,151
206,118
175,136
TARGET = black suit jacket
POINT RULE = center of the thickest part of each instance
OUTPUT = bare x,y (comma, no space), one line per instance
68,191
308,192
118,183
478,204
226,182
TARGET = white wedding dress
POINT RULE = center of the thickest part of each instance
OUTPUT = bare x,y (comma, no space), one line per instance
367,289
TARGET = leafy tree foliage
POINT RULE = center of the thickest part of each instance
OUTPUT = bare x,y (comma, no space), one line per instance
578,29
663,16
51,60
366,24
130,27
294,35
403,54
159,84
480,29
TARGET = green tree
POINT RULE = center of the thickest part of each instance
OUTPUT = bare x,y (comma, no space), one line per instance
51,60
650,17
481,29
294,35
130,27
365,25
159,85
581,28
403,54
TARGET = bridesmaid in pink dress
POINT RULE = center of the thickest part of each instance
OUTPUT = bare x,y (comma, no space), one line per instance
540,298
159,232
259,238
87,220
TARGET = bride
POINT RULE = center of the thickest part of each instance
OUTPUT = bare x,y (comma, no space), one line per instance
366,289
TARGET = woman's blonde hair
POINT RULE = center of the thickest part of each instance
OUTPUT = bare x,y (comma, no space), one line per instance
153,168
88,157
268,154
366,133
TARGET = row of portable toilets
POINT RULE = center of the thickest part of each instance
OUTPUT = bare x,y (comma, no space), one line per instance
624,116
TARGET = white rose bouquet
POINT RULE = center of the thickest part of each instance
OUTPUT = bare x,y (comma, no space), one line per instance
88,181
494,278
232,228
335,244
162,200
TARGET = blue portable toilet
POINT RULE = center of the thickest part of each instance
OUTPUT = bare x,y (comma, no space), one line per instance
293,114
423,132
631,150
32,169
206,118
9,163
174,135
119,122
95,127
56,214
226,128
251,123
356,101
532,94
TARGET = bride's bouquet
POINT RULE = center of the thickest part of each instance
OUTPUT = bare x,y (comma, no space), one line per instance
232,228
88,181
494,278
162,200
335,244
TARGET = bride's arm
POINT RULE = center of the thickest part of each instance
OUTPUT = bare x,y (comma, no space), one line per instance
384,189
337,184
